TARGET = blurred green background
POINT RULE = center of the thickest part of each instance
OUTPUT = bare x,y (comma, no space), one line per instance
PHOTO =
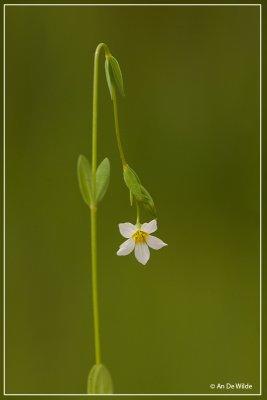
190,125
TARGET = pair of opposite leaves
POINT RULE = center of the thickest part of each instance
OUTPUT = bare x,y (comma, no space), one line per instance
93,195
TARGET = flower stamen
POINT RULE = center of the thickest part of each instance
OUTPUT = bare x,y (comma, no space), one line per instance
140,236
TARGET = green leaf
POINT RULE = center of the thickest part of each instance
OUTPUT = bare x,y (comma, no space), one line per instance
102,179
108,78
99,380
148,201
85,179
137,190
132,182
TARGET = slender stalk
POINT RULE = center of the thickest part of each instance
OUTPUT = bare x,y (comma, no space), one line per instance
94,284
137,214
117,128
95,101
94,207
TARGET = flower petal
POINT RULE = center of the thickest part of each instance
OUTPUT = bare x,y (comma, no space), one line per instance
142,253
126,247
155,243
127,229
149,227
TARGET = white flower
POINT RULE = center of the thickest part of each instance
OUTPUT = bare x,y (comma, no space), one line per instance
139,238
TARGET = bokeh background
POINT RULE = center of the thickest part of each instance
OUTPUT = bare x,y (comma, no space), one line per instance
190,126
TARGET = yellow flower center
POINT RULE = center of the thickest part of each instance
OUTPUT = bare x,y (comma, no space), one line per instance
140,237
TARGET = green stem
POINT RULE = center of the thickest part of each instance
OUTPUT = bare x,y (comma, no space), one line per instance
95,101
94,284
137,214
117,128
94,207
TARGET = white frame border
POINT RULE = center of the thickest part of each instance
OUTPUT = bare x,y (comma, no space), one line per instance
4,222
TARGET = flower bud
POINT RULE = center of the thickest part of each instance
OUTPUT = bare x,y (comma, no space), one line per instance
113,75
